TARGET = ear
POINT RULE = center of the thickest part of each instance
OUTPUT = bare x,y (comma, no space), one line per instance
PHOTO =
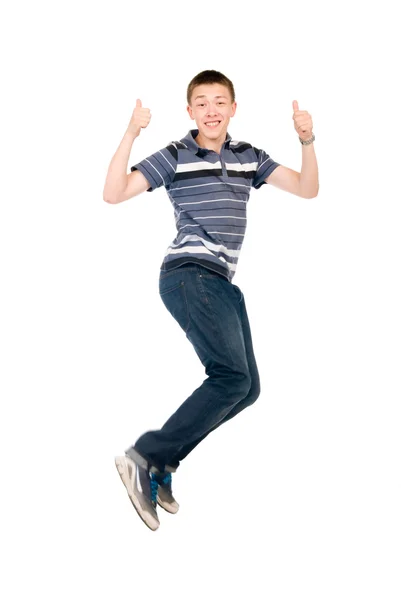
233,109
190,112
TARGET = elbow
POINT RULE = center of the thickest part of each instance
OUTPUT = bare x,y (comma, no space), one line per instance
317,192
310,196
109,200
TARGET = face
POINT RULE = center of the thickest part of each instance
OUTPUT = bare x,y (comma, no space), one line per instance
211,103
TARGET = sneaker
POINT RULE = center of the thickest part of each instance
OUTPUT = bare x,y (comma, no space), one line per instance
142,490
165,496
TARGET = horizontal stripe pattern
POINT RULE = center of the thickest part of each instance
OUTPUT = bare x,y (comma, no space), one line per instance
209,193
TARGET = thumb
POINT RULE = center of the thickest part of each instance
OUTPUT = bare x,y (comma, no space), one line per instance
295,105
138,104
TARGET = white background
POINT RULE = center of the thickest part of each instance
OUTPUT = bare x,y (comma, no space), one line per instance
299,496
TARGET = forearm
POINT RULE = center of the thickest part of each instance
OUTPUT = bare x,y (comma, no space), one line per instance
116,180
309,177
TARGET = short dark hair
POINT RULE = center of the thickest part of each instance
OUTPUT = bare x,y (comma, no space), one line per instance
210,76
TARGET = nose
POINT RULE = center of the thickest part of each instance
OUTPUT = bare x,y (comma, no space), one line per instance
211,110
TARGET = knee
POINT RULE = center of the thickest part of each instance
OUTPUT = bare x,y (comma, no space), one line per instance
243,387
249,390
253,392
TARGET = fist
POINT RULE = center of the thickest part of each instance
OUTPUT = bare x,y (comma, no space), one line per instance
140,118
302,122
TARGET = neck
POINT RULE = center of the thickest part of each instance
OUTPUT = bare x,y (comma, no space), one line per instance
215,145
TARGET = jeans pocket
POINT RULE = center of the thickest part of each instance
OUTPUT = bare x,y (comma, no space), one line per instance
174,299
166,290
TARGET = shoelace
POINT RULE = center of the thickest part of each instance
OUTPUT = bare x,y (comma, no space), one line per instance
165,480
153,489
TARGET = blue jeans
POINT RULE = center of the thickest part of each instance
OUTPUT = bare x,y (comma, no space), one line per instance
212,313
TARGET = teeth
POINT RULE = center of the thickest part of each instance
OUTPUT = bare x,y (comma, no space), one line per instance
212,124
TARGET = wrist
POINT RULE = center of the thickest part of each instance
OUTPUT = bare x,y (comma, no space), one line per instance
131,135
305,141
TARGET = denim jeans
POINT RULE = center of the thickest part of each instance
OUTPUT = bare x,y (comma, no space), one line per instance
212,313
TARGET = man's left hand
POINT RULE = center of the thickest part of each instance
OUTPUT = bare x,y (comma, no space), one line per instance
302,122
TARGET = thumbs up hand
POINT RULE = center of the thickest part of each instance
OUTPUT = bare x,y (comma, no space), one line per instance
302,122
140,119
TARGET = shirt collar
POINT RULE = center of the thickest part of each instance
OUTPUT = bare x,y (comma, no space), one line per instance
191,144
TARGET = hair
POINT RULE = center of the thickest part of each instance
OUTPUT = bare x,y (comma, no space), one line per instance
210,76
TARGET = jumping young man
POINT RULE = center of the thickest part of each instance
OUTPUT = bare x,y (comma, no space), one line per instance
208,178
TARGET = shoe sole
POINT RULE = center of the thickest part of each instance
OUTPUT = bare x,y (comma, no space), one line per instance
145,516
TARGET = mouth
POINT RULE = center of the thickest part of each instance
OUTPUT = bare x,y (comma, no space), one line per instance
212,124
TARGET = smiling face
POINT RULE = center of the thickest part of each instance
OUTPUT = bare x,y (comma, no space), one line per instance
212,108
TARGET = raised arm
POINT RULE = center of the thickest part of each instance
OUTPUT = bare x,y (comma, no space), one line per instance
306,183
119,185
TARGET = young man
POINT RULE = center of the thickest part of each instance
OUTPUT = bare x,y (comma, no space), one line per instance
208,178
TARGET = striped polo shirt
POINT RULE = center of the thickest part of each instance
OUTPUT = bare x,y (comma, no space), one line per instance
209,193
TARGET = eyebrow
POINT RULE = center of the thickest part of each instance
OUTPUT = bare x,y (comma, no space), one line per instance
204,96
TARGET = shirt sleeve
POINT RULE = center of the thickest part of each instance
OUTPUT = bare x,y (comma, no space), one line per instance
159,168
266,165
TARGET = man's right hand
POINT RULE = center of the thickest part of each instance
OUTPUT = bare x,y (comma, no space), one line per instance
140,119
